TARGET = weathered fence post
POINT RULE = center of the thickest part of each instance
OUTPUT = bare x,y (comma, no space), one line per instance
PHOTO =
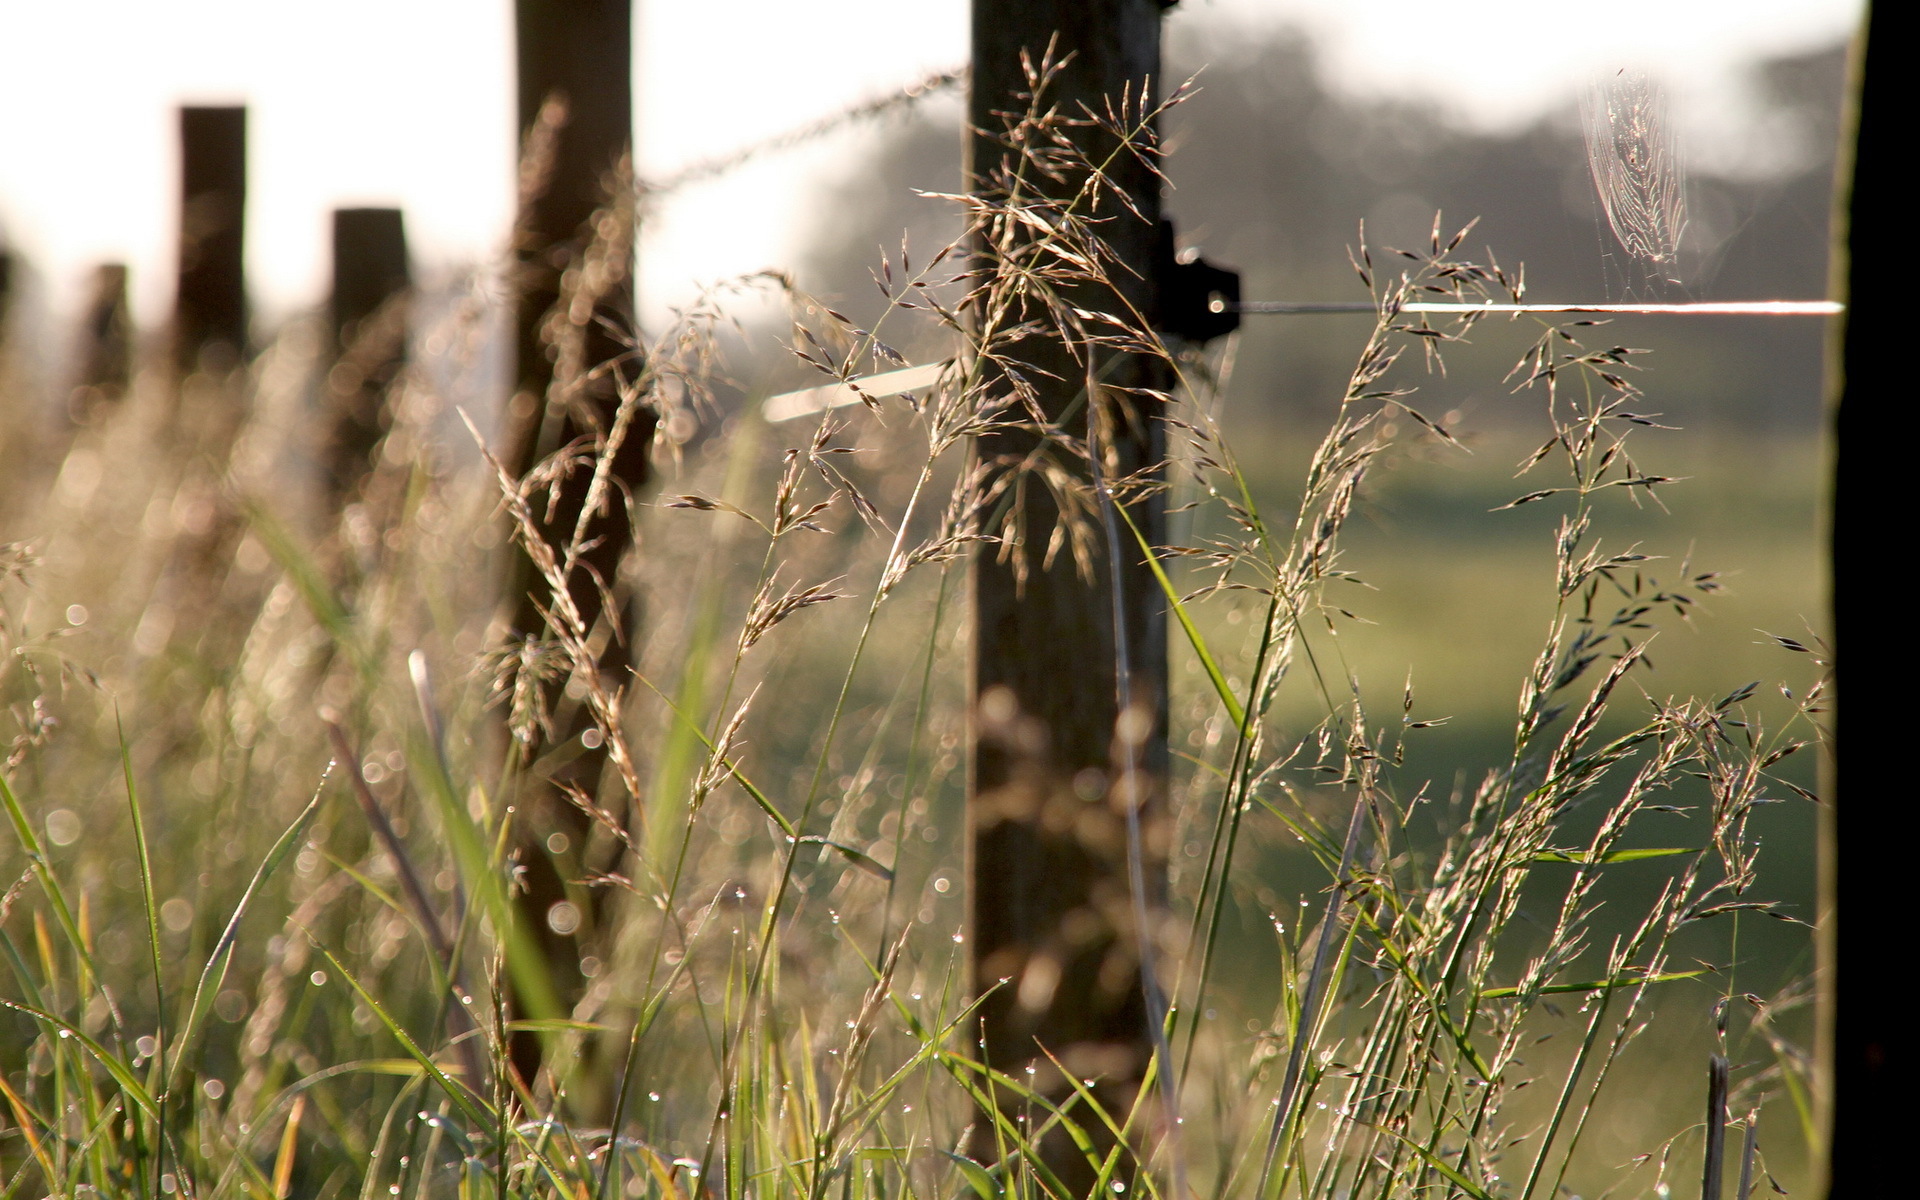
574,304
1866,1048
1049,895
367,323
210,313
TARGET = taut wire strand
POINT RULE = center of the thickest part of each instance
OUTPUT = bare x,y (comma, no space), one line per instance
1708,308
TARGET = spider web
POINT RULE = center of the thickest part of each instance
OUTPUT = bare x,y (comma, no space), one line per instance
1638,176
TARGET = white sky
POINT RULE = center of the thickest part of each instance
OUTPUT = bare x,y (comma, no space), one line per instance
408,102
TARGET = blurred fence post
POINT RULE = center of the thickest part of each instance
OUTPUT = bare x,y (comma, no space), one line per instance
1049,892
6,288
210,311
367,328
1866,1049
105,358
574,307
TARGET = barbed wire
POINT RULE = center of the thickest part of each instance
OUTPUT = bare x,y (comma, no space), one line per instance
865,110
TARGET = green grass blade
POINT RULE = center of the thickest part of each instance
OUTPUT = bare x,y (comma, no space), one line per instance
752,790
44,876
145,863
215,972
976,1176
475,861
1214,674
1614,856
1593,985
471,1105
113,1064
309,581
1453,1174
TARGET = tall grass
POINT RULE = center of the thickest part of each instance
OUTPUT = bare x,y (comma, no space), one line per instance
258,917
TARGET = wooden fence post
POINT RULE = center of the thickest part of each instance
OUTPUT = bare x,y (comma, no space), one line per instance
1049,893
575,302
210,313
367,322
1866,1046
105,358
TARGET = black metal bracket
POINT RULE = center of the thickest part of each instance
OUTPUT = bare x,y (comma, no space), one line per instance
1198,301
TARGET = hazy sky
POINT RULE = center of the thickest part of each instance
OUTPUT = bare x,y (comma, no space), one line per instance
408,102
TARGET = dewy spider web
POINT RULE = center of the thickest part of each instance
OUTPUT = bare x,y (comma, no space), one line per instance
1637,171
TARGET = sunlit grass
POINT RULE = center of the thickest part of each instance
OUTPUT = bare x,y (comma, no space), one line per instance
259,908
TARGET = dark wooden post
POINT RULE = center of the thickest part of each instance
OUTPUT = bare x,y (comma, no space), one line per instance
210,314
105,365
575,62
1869,815
367,318
6,288
1049,894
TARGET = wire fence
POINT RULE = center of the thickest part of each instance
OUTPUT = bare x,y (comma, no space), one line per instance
708,169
